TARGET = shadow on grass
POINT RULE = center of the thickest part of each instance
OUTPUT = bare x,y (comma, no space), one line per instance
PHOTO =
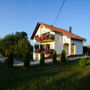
69,82
36,76
85,83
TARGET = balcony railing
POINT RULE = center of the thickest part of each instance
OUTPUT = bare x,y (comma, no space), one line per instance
45,37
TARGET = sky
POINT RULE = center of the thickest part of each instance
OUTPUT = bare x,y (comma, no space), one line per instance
23,15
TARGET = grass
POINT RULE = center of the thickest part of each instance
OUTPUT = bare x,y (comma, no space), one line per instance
66,76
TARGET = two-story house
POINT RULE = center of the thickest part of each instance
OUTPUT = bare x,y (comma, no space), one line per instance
48,38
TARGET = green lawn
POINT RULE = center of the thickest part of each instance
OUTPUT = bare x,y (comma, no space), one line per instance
69,76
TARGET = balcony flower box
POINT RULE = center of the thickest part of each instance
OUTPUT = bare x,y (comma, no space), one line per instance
46,51
42,37
38,38
49,56
37,50
46,37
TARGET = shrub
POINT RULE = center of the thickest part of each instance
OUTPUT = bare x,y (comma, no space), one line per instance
42,58
82,62
10,59
27,60
63,56
54,57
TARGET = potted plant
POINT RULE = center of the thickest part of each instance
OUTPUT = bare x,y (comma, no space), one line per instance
42,37
46,36
37,50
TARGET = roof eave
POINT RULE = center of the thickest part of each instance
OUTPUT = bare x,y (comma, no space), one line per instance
35,30
79,39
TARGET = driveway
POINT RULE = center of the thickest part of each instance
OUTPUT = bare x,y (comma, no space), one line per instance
21,63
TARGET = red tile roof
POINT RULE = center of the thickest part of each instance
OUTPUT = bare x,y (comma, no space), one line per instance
65,32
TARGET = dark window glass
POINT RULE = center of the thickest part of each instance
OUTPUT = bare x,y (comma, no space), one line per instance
36,46
48,46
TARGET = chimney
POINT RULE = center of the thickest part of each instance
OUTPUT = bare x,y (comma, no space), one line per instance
70,29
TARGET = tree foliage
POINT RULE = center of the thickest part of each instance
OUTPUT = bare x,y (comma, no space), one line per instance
10,57
16,46
16,42
42,58
54,57
63,56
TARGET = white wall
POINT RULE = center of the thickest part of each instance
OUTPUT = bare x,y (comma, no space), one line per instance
45,30
79,46
58,43
35,55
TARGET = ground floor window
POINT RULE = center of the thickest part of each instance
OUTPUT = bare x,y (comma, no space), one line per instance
45,46
36,46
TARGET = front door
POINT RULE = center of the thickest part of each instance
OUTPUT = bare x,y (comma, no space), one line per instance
66,48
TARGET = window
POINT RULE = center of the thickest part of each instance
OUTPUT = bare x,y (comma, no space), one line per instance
48,46
36,46
43,46
48,33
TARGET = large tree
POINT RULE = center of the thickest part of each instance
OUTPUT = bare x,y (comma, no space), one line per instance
16,43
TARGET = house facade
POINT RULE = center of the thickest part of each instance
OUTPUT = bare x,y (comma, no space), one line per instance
48,38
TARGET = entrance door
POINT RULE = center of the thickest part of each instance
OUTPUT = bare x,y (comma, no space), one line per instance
73,49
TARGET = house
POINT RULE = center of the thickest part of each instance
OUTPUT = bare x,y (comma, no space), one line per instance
48,38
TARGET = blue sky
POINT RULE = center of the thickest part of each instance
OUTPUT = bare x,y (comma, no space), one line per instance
22,15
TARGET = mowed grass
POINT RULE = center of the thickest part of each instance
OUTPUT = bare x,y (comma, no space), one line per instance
66,76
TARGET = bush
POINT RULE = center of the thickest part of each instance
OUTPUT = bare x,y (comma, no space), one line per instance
63,56
82,62
42,58
54,57
10,60
27,60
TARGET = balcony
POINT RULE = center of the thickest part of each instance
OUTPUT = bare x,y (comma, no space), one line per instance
46,51
45,38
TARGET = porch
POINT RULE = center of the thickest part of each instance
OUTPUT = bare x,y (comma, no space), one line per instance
46,48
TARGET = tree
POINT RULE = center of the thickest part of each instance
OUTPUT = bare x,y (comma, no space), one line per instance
6,43
24,49
54,57
63,56
20,35
42,58
16,46
16,41
27,59
10,57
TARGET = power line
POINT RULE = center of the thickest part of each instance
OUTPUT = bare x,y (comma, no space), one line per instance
59,11
57,3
